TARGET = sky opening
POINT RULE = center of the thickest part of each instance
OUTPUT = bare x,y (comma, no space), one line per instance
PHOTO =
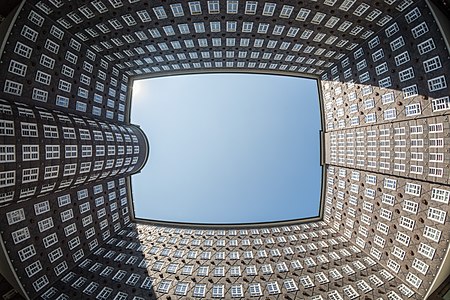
228,148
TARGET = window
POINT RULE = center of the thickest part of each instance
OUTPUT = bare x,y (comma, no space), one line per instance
432,233
51,172
397,43
67,71
30,175
377,55
20,235
269,9
250,7
6,128
69,169
160,12
23,50
232,6
440,195
390,114
69,133
43,78
218,291
255,289
29,33
86,151
432,64
7,153
426,250
147,283
51,151
413,280
273,288
406,74
410,206
419,30
17,68
181,288
426,46
412,15
290,285
104,293
71,151
401,58
50,240
413,110
407,223
436,215
412,189
437,83
40,283
199,290
45,224
164,286
219,271
195,8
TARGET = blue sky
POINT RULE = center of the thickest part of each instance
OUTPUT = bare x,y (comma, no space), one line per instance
228,148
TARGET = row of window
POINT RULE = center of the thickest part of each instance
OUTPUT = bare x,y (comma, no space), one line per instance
29,129
227,64
397,130
31,152
301,228
8,178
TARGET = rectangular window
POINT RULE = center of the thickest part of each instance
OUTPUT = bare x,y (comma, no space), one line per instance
69,133
20,235
432,64
441,104
437,83
406,74
426,46
419,30
23,50
29,33
7,153
45,224
51,151
432,233
426,250
17,68
6,128
30,175
12,87
50,240
71,151
43,78
436,215
51,172
410,206
39,95
413,110
440,195
69,169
